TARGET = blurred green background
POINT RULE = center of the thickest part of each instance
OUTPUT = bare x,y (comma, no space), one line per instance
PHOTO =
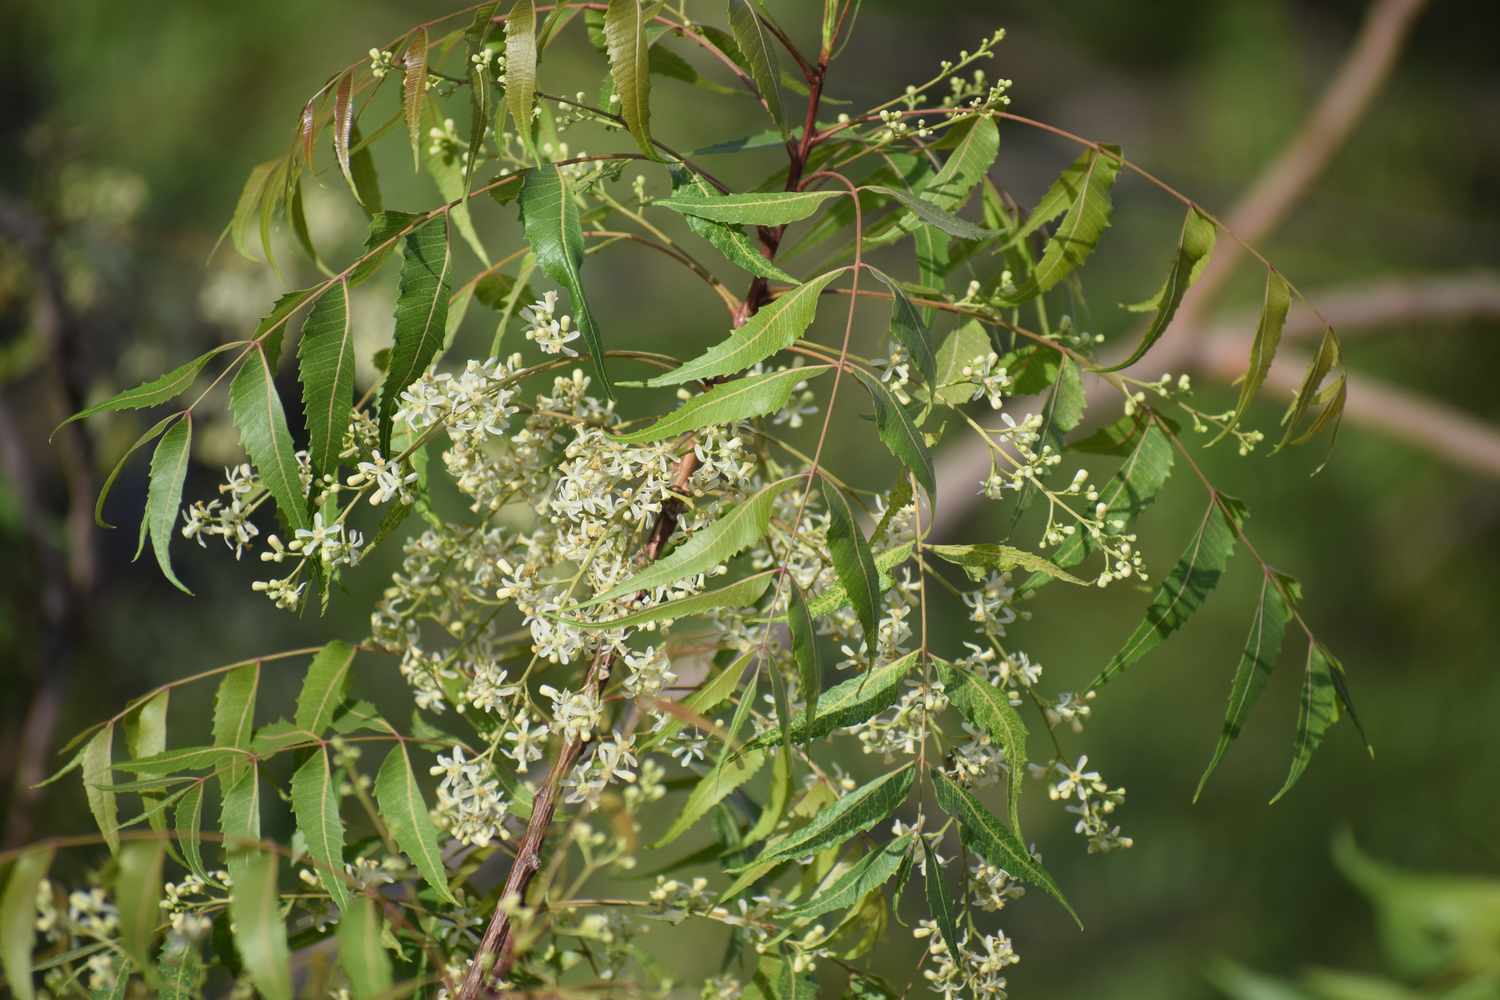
129,128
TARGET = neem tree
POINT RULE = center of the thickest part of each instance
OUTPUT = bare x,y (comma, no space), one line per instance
645,629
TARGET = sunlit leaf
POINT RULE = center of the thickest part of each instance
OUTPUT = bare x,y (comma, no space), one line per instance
421,310
256,408
1193,249
853,563
169,465
315,803
727,239
234,718
742,399
850,816
1273,309
989,710
520,69
414,90
188,823
326,356
978,560
405,812
754,44
857,881
630,68
1086,186
97,760
156,391
324,686
740,594
754,208
1324,698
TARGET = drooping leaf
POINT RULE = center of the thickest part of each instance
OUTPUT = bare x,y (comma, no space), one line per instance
414,90
989,710
754,44
1262,650
234,718
448,172
754,208
1193,249
857,881
119,466
138,896
991,840
830,599
385,232
853,563
848,817
366,182
929,213
630,68
966,166
853,701
1078,234
1274,305
1323,692
342,128
550,217
940,902
179,759
247,209
978,560
154,391
18,919
146,735
730,772
775,809
97,757
899,433
740,594
1185,588
361,955
315,803
405,812
727,239
260,934
804,649
520,69
774,328
909,329
169,464
188,822
742,399
741,527
326,356
707,698
256,408
1308,394
324,686
421,311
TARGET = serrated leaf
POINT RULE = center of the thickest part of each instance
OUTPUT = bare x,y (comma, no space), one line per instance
1325,361
740,594
848,817
361,955
1323,692
97,757
899,433
960,350
405,812
830,599
990,839
781,790
774,328
385,232
169,465
755,208
1078,234
256,409
550,218
707,698
853,563
414,90
1194,246
1068,397
857,881
448,173
181,969
153,392
421,311
804,649
1275,302
138,895
247,209
754,44
741,527
950,188
343,127
114,473
742,399
909,329
315,803
145,735
988,708
259,933
181,759
939,900
853,701
1185,588
929,213
520,69
977,560
630,68
727,239
326,357
731,771
366,182
188,823
234,718
324,686
1262,650
18,919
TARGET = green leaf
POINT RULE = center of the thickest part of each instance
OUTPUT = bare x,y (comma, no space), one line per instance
774,328
386,230
421,311
781,790
234,718
366,182
414,90
989,710
852,562
1327,358
138,896
97,755
990,839
18,919
169,465
256,409
405,812
188,821
326,356
520,69
1185,588
960,350
630,68
1068,397
1087,189
853,701
740,594
940,901
1318,710
731,771
246,209
259,932
977,560
181,759
1274,305
909,329
361,955
740,528
829,600
155,391
754,208
857,881
929,213
324,686
848,817
804,649
742,399
146,735
728,240
707,698
1193,249
1262,650
181,972
315,802
114,473
754,43
447,172
899,433
950,188
550,217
